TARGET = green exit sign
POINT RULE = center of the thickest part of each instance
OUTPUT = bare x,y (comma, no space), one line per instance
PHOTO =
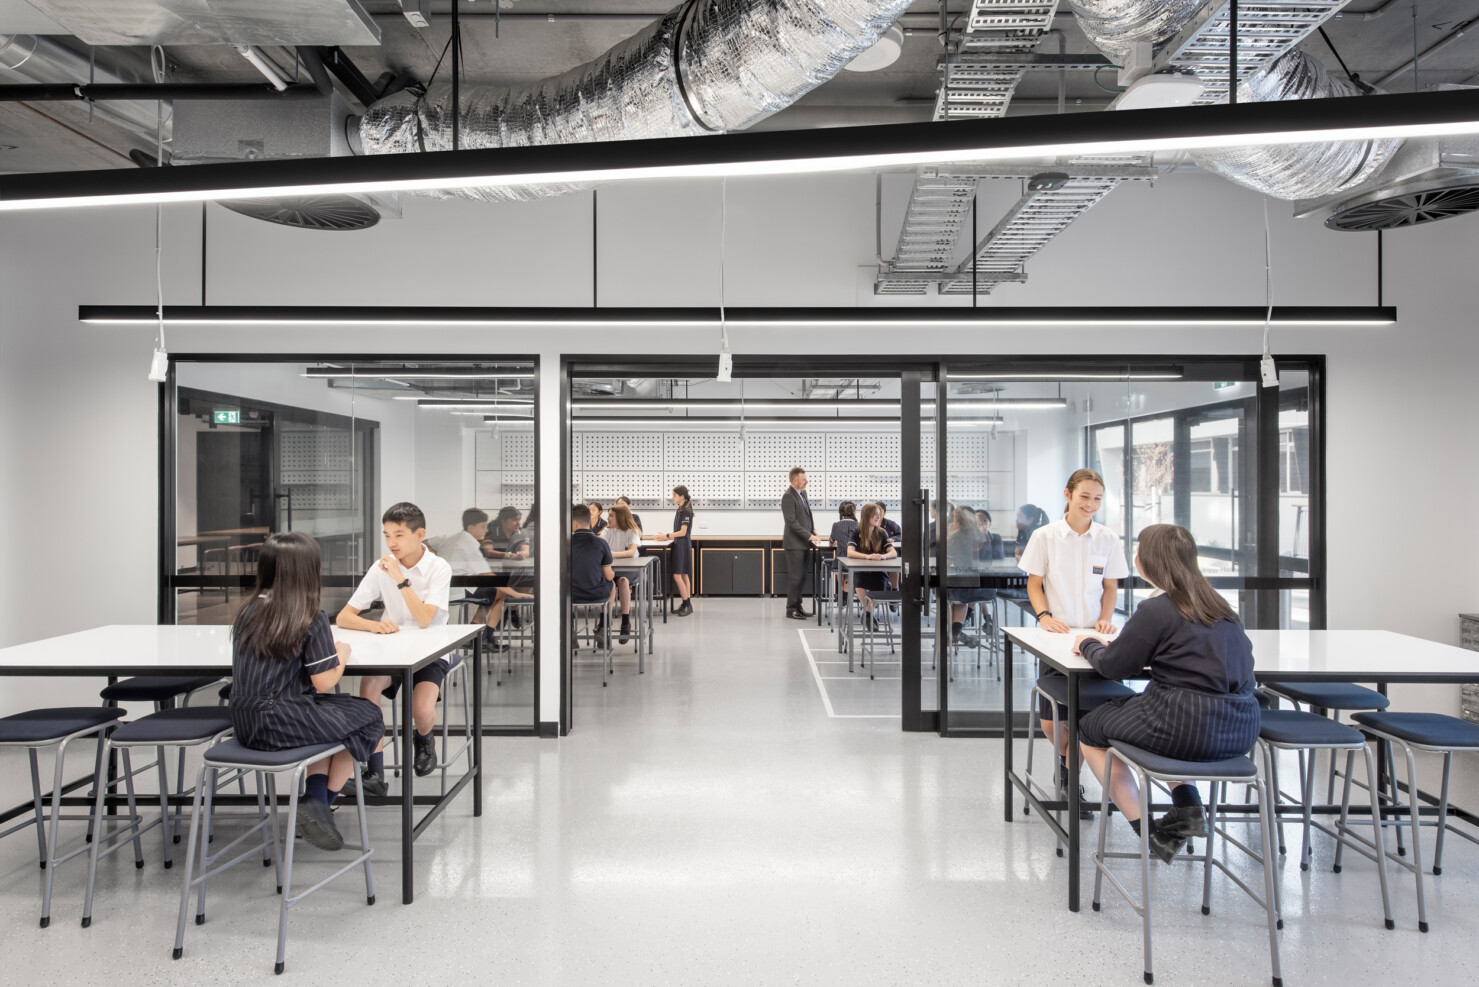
227,418
1223,385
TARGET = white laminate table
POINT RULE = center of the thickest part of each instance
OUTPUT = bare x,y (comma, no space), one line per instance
121,650
1381,657
637,568
844,634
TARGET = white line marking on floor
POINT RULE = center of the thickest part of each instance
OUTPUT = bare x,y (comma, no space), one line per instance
826,701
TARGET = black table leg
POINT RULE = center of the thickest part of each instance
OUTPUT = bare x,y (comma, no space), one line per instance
1008,727
1073,800
408,774
477,724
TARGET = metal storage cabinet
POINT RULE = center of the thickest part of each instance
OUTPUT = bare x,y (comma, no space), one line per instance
1469,638
779,573
731,571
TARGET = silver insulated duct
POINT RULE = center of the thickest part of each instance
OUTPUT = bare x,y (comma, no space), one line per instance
1298,171
707,66
1116,26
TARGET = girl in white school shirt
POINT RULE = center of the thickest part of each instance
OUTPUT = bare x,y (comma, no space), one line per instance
1073,568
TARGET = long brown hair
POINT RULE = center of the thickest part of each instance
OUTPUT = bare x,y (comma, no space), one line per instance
1082,476
621,518
870,535
285,602
1168,557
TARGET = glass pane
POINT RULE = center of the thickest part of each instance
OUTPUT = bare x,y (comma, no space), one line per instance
1217,440
1107,458
1153,473
1294,473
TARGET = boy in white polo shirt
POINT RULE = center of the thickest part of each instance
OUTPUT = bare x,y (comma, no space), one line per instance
415,585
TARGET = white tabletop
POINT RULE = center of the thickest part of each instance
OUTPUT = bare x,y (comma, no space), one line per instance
886,564
634,562
149,649
656,542
509,565
1345,656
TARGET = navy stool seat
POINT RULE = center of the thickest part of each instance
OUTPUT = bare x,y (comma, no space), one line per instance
231,752
1293,727
225,692
173,726
1331,695
40,726
1424,729
155,688
1229,769
1091,691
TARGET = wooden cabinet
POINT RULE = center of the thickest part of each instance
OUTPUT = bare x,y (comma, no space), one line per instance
1469,639
731,571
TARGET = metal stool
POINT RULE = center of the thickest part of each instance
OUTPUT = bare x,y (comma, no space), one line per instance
57,728
187,726
1293,730
1435,734
455,678
1335,697
230,755
1092,693
600,643
879,601
1147,767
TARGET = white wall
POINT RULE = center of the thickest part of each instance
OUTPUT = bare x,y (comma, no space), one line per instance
78,434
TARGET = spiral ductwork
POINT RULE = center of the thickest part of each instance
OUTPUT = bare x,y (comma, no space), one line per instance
1298,171
707,66
1116,26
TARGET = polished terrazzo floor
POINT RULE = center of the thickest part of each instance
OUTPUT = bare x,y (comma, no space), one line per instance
709,823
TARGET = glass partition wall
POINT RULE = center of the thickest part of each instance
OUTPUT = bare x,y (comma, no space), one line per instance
1196,443
254,447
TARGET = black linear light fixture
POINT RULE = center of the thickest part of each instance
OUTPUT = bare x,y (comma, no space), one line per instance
772,153
609,405
760,420
684,318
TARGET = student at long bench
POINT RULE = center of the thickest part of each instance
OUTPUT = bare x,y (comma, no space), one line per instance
1199,705
869,543
992,547
1073,568
415,585
841,534
463,552
963,542
284,666
592,580
682,549
624,537
628,502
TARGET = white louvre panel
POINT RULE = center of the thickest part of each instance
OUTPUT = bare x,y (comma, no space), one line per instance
702,451
849,451
719,491
621,450
783,450
517,450
645,489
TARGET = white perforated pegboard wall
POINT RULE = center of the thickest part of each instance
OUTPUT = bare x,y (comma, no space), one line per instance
706,451
723,473
317,465
783,450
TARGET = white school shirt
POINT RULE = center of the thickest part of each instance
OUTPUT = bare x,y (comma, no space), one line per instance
620,540
463,554
1073,568
431,580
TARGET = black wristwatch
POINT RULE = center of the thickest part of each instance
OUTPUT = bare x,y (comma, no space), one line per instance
403,584
1045,613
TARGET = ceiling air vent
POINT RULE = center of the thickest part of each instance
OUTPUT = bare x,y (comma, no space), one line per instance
1409,203
315,212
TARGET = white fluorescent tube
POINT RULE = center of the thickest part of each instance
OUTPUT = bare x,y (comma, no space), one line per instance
348,375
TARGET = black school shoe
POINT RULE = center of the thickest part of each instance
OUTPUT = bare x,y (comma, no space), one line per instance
798,614
316,823
375,784
1183,822
426,755
684,610
626,629
1164,845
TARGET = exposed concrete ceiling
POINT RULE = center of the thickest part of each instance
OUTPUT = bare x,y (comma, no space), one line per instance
524,48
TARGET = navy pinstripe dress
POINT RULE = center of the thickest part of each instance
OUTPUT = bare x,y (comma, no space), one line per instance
1199,705
275,707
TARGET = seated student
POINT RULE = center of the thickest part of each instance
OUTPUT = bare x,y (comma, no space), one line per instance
870,542
284,666
1199,705
637,518
624,537
414,585
895,535
504,539
592,580
841,534
598,523
464,554
992,547
963,541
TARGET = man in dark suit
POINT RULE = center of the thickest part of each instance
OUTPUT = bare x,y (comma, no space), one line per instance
796,539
